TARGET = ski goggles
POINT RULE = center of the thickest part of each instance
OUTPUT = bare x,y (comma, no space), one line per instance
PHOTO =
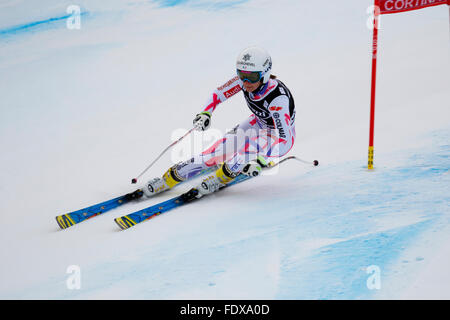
250,76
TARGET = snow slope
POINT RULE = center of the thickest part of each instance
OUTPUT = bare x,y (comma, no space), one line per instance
83,111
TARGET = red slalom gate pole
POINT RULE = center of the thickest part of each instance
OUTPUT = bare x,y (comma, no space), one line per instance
388,7
373,86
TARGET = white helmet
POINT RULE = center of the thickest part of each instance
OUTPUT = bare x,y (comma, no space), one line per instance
255,59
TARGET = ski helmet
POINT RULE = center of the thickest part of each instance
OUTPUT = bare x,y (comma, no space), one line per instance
254,59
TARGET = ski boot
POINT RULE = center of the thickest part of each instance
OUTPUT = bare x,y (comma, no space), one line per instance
158,185
215,181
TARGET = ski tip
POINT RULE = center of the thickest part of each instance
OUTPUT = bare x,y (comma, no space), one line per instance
64,221
125,222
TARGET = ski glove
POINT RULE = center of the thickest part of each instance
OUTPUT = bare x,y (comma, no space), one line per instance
202,121
252,169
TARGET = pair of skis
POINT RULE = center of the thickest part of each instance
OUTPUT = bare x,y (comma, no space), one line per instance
69,219
125,222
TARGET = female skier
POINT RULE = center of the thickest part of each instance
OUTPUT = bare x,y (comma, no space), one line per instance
268,132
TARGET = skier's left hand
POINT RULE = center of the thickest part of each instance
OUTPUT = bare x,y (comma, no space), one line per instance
252,169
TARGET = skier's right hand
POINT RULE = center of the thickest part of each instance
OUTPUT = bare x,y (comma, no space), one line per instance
202,121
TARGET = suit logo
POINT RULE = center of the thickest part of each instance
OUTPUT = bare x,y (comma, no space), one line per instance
260,112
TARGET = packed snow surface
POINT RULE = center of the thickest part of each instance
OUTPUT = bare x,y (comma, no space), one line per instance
85,107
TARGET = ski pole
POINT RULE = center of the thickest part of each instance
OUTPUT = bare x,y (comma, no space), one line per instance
134,180
314,163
